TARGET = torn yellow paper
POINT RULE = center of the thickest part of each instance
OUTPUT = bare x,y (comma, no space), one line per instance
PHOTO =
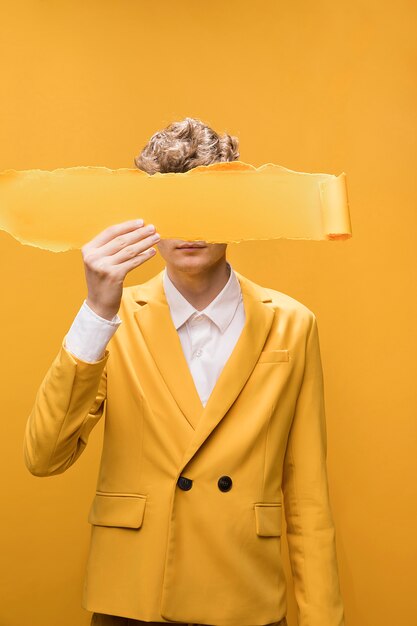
63,209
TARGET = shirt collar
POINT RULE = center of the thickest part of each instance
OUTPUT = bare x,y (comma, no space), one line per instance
220,310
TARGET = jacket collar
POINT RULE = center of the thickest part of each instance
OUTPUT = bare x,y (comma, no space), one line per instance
153,290
156,325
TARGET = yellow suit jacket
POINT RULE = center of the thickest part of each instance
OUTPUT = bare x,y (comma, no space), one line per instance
187,516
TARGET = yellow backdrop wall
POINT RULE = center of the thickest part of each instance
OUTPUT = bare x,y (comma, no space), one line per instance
317,87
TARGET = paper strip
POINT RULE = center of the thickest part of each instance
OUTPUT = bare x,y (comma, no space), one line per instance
64,208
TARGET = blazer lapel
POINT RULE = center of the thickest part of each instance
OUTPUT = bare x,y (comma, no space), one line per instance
161,337
240,364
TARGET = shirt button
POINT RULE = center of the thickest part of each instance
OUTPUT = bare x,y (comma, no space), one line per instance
198,318
199,353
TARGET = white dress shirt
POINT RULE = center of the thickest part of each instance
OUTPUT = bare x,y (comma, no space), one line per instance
207,337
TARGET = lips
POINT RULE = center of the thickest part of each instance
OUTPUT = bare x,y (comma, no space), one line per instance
191,246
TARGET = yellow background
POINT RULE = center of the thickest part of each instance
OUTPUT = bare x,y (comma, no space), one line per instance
317,87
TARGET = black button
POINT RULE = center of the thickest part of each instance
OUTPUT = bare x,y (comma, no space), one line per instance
184,483
224,483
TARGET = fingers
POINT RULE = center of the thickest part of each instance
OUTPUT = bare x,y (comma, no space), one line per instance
133,250
135,261
118,249
126,240
115,230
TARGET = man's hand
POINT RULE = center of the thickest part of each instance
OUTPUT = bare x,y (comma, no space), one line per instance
109,257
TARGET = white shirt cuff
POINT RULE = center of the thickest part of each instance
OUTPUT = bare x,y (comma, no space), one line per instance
89,334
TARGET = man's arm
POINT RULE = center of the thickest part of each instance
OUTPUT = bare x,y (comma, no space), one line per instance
71,398
69,403
310,527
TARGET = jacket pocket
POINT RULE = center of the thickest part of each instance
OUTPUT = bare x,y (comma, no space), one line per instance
268,518
124,511
274,356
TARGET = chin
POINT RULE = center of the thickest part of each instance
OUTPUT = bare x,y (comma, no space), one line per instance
191,265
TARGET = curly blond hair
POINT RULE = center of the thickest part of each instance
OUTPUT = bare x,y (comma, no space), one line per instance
184,145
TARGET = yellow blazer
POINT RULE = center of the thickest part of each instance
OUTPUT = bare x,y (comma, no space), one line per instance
187,516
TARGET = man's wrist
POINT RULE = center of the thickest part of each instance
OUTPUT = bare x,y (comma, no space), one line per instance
106,314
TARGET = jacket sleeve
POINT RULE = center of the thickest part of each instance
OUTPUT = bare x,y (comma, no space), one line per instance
310,527
69,403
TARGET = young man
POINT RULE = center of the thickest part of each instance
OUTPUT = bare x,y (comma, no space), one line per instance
212,390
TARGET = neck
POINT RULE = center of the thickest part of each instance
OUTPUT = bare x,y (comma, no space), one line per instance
200,288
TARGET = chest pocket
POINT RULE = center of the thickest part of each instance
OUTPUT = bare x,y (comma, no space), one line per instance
274,356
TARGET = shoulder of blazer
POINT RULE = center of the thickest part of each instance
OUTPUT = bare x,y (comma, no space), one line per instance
276,299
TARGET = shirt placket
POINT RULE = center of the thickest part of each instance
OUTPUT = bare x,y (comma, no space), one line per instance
200,333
